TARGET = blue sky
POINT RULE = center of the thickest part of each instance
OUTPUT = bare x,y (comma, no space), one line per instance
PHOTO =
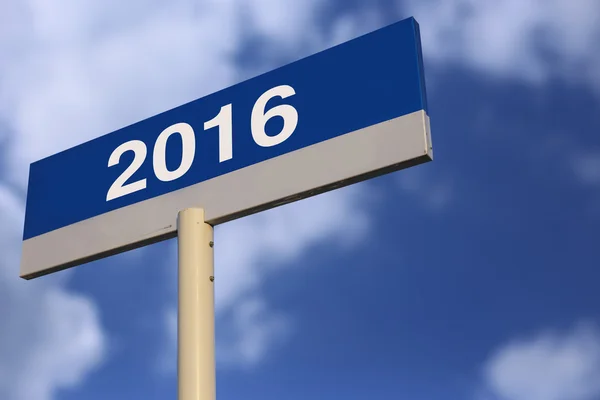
472,277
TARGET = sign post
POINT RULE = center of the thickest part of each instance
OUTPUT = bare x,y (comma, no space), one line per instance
350,113
196,308
341,116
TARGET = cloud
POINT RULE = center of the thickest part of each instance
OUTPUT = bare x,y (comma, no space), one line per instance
50,338
551,366
433,192
530,39
287,25
167,357
587,168
246,250
250,250
256,330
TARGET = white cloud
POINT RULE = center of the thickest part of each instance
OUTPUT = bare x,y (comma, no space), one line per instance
73,70
249,250
550,366
167,358
288,23
433,192
256,329
587,168
531,39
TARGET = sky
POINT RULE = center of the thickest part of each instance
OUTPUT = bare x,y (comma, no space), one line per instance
472,277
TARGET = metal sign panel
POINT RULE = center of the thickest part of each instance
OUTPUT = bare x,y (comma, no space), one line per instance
340,116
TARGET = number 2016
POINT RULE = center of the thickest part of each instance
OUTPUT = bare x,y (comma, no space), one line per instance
223,121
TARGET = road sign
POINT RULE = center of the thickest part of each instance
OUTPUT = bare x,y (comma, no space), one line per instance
340,116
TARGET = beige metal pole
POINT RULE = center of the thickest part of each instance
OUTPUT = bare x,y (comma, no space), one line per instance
196,309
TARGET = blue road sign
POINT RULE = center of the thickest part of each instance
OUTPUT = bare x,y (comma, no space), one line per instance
343,115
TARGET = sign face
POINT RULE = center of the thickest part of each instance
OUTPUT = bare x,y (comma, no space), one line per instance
346,114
